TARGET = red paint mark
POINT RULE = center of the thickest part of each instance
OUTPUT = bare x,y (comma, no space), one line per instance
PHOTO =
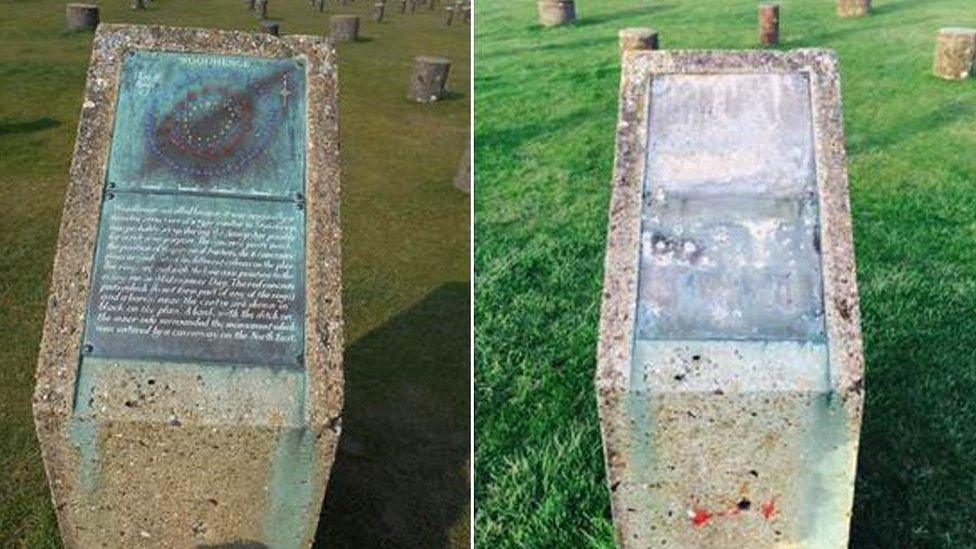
769,509
699,517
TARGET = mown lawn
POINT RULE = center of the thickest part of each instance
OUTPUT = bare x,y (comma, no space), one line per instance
402,475
545,122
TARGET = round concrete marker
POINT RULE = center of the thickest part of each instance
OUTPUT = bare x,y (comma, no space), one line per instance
769,24
271,27
81,16
553,13
344,28
429,78
638,38
853,8
955,49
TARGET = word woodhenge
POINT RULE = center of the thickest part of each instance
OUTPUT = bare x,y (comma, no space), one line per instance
730,357
189,384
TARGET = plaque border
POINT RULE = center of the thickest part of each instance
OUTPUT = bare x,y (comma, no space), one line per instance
618,311
59,358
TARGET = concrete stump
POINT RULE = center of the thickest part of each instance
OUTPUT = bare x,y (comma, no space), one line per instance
853,8
344,28
553,13
462,179
465,13
432,5
769,24
448,16
403,6
955,49
138,4
321,5
251,5
429,78
638,38
412,6
379,9
81,16
262,8
271,27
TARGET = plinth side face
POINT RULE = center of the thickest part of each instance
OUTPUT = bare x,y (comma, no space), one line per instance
724,421
197,401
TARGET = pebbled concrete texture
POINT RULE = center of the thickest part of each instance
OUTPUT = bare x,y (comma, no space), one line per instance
146,454
737,424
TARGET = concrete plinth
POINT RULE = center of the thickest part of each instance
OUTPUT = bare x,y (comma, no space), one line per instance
178,436
730,369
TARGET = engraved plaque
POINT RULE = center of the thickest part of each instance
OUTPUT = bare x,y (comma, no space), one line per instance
729,239
201,248
215,123
198,277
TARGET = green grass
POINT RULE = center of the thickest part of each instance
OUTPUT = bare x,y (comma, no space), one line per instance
545,122
401,477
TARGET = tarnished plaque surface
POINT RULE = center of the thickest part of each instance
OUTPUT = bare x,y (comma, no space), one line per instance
198,277
216,123
729,240
200,253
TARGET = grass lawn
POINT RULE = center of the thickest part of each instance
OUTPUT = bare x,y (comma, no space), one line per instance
545,122
401,476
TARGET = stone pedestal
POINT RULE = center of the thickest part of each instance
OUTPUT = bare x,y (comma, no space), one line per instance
769,24
271,27
730,369
448,16
427,84
853,8
165,426
344,28
379,8
638,38
955,49
553,13
81,16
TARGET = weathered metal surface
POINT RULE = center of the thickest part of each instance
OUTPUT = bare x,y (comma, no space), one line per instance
730,222
215,123
730,367
188,277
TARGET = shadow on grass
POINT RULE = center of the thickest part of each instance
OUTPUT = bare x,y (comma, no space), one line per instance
29,126
399,479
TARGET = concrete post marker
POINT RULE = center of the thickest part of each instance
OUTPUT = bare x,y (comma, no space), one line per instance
853,8
81,16
638,38
955,49
729,380
189,382
344,28
553,13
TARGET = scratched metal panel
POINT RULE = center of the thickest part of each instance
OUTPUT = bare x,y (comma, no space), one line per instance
214,123
730,222
185,277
